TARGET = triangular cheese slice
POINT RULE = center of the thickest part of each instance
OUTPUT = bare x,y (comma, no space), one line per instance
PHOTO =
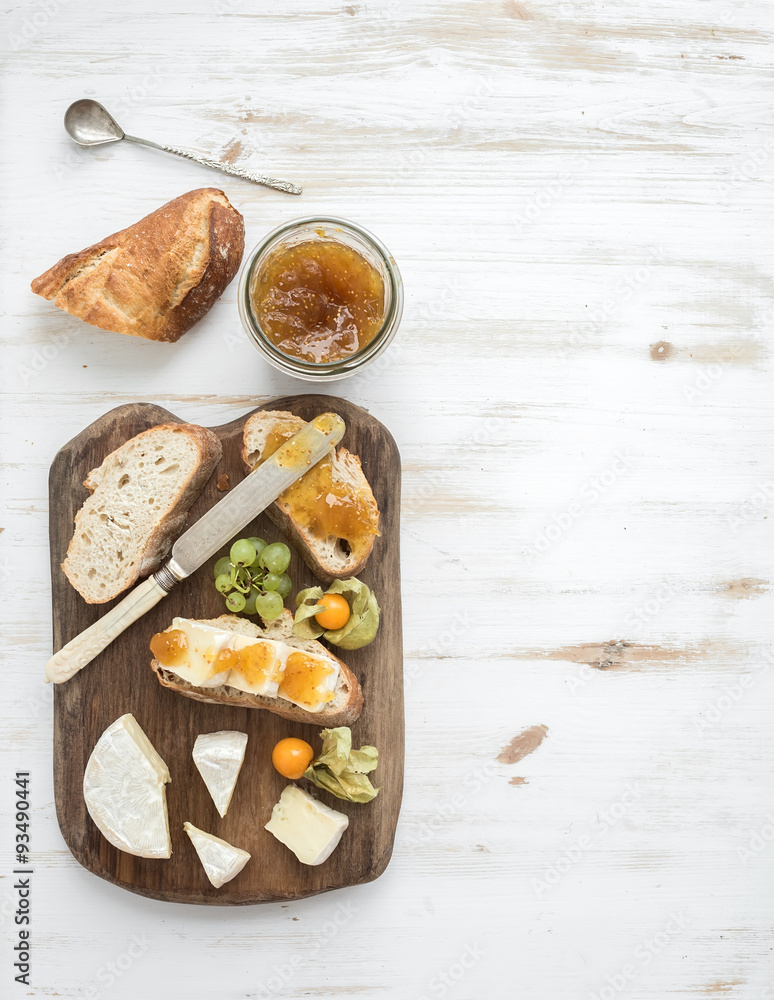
124,790
219,757
220,859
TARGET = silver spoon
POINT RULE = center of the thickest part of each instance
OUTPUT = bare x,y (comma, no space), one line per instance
89,124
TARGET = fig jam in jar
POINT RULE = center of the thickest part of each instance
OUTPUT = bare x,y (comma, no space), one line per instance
320,298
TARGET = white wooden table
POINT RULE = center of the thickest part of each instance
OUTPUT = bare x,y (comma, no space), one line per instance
579,197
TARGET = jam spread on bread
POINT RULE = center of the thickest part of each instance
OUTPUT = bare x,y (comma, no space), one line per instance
170,647
257,663
319,300
327,507
304,677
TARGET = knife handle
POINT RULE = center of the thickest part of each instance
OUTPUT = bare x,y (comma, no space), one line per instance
84,647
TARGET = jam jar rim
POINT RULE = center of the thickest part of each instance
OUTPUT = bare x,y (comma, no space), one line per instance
329,370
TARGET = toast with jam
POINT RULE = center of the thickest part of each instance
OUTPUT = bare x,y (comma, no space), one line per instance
330,514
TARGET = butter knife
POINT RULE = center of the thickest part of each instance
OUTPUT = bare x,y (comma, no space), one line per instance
203,539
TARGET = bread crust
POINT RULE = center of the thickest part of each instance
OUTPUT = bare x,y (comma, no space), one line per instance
279,629
303,540
159,276
171,524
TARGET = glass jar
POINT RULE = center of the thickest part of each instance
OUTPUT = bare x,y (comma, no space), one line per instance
324,229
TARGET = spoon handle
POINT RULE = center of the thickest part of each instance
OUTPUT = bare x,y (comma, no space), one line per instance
226,168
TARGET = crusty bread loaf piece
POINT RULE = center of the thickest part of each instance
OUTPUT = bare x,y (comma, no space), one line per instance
329,558
342,711
140,498
158,277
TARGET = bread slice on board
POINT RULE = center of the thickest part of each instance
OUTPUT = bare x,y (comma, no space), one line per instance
140,498
158,277
342,711
330,557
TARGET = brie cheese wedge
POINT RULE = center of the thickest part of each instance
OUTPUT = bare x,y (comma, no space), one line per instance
219,758
124,790
307,826
221,861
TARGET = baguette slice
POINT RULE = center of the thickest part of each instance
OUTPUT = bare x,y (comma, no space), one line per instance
342,711
155,278
140,498
329,558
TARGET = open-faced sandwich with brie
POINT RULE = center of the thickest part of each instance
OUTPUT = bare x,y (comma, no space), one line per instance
232,661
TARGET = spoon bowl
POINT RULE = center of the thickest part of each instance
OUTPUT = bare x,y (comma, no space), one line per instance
89,124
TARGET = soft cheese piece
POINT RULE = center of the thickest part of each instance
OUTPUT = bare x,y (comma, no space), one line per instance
208,657
218,758
221,860
124,790
307,826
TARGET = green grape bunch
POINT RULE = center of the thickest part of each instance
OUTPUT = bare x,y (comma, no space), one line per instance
253,577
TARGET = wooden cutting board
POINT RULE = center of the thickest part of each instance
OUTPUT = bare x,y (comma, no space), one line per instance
120,680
